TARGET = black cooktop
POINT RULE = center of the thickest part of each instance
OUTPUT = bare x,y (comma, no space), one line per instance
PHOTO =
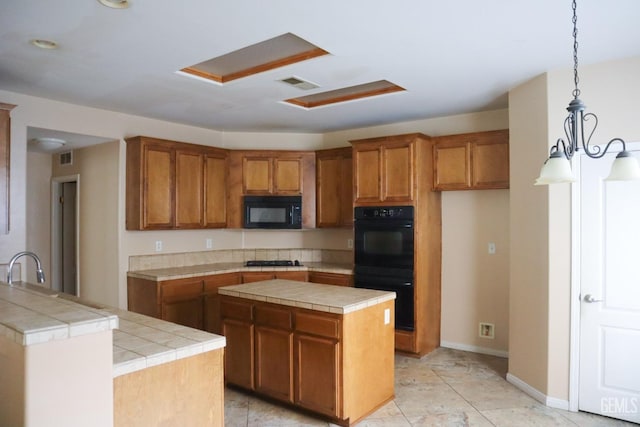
273,263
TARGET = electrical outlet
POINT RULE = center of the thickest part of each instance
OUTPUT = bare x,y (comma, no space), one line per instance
492,248
209,243
158,245
349,243
486,330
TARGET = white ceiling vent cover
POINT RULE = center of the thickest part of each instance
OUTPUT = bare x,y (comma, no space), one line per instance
299,83
65,158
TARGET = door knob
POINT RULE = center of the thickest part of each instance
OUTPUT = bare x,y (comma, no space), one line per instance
589,298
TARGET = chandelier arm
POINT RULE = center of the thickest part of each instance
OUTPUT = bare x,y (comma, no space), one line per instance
599,153
569,127
596,152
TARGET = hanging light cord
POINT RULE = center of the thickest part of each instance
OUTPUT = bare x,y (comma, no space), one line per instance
576,79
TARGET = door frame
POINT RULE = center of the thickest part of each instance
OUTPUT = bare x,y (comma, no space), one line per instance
56,237
574,352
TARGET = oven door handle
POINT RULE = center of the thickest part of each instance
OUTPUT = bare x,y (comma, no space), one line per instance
382,282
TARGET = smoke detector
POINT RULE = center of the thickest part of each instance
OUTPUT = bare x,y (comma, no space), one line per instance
299,83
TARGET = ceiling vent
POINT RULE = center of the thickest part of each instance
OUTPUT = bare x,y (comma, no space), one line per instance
299,83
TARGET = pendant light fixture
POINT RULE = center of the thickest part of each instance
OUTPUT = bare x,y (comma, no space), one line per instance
557,168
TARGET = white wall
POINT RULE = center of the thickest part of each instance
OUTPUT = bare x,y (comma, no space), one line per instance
38,214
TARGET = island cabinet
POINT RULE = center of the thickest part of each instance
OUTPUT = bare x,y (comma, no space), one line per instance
472,161
339,365
192,302
334,188
174,185
271,173
384,169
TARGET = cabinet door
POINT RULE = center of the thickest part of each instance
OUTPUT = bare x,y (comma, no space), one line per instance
274,362
189,189
346,191
300,276
328,189
257,276
257,175
317,373
215,190
452,166
490,161
181,302
239,353
287,173
397,172
212,314
367,173
158,175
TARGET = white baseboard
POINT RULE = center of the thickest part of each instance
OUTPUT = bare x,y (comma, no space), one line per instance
552,402
474,349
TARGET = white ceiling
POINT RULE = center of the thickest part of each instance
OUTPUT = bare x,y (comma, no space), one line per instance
452,56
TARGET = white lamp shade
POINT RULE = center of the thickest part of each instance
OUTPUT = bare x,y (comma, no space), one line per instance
555,170
625,168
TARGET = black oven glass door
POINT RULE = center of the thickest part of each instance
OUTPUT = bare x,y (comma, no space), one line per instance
387,244
404,306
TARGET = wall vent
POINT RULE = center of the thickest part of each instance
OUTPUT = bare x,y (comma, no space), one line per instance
65,158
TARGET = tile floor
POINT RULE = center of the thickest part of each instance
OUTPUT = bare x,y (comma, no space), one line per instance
445,388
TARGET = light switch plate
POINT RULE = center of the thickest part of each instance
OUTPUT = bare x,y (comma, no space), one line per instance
387,316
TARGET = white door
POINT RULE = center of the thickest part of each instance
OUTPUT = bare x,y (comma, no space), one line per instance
610,292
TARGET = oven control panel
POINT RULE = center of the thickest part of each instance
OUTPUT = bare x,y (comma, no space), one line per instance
383,212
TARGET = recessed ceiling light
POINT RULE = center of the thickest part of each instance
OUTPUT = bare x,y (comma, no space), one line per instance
44,44
115,4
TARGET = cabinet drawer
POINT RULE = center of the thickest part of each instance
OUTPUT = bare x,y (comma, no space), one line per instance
318,325
212,283
237,310
274,317
181,288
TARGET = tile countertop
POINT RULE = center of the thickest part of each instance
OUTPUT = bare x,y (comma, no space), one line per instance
29,316
312,296
232,267
32,314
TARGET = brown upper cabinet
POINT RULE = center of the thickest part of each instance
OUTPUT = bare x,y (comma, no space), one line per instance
472,161
271,173
5,156
385,168
173,185
334,187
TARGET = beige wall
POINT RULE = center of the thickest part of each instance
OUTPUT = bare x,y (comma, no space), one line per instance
38,215
475,284
57,381
539,339
105,278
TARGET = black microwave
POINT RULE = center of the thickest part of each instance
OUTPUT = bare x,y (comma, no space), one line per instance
273,212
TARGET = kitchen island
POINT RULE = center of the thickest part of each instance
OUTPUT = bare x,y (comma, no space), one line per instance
326,349
75,363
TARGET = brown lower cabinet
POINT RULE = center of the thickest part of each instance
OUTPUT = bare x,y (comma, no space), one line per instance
331,278
258,276
299,356
192,302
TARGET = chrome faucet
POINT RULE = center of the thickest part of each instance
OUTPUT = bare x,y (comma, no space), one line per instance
39,272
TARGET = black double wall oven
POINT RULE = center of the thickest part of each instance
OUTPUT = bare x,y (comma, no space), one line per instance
383,254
